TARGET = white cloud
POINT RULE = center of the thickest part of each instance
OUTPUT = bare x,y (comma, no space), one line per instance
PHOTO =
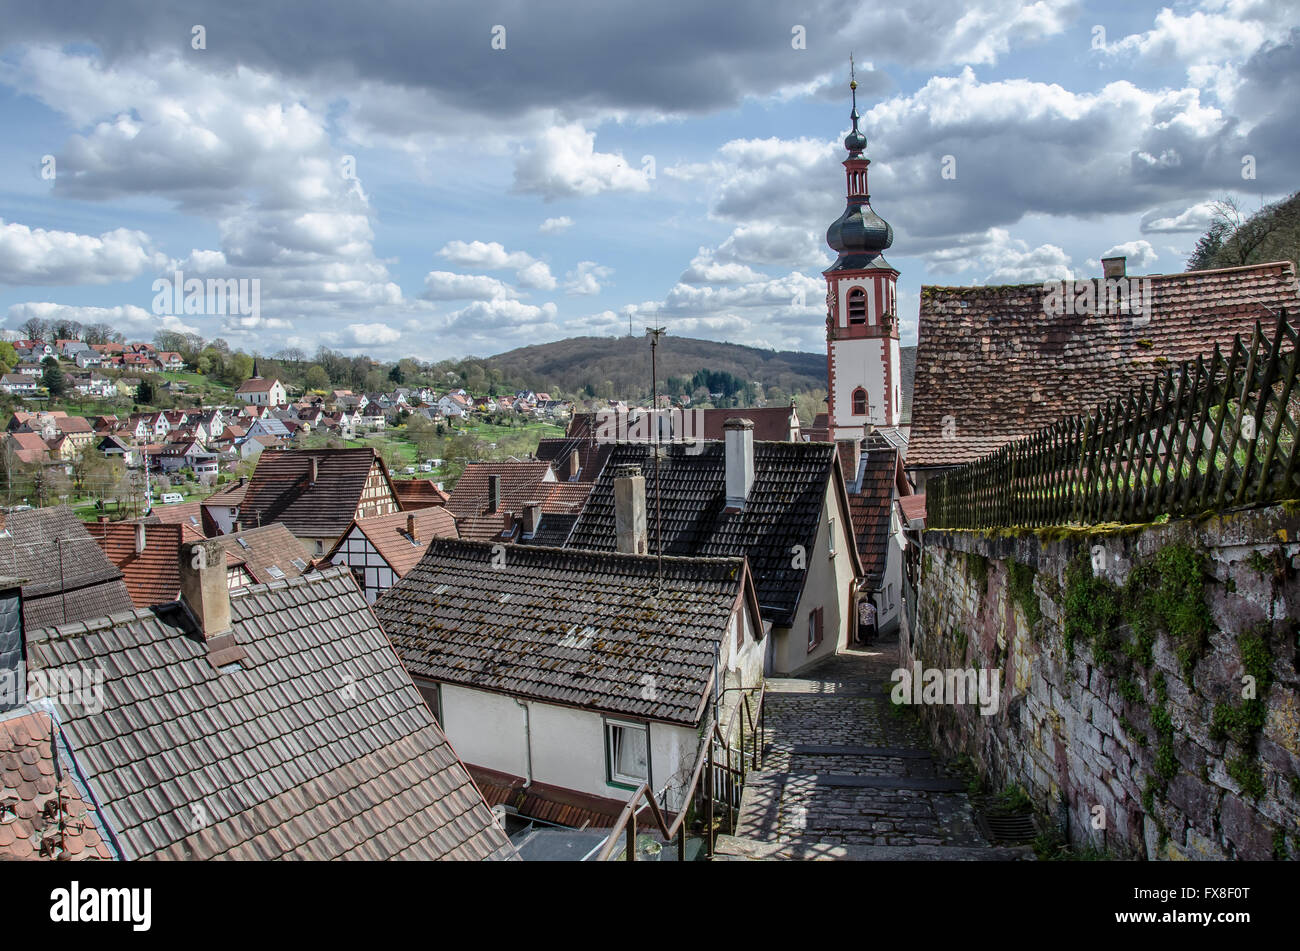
35,256
556,225
585,279
1197,219
133,322
446,285
363,335
563,163
1140,254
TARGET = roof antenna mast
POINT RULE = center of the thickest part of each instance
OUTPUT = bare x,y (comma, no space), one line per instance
654,333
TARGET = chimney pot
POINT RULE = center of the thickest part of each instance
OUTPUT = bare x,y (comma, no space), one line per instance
532,517
411,528
494,492
738,436
630,510
1114,267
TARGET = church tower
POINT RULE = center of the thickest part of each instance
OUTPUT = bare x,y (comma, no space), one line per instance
862,349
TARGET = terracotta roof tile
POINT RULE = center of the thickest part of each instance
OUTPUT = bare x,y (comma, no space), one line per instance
317,746
992,367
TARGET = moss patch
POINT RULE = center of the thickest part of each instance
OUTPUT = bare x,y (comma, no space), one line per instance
1020,585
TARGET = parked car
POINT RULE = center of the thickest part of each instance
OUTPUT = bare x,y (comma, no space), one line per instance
171,498
425,467
409,470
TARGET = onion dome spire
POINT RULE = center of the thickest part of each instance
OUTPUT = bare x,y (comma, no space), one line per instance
855,141
859,234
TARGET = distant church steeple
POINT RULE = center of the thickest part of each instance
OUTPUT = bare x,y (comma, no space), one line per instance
256,375
862,348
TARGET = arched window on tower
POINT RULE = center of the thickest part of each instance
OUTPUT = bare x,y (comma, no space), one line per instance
859,402
857,306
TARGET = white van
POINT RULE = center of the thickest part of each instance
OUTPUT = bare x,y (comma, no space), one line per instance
171,498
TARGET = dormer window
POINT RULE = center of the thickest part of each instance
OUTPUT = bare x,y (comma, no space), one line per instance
857,306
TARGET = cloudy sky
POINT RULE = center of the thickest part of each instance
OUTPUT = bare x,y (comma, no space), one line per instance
436,179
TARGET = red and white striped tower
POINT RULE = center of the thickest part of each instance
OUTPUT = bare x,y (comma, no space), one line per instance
862,347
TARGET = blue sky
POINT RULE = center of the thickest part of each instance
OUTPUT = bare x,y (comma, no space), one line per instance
671,163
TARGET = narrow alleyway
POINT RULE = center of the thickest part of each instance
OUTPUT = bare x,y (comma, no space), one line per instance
846,776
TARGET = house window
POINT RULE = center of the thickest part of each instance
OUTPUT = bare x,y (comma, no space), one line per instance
815,628
432,694
830,536
320,547
857,306
859,402
627,752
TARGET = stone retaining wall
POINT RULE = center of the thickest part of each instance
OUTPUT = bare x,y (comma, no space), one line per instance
1132,731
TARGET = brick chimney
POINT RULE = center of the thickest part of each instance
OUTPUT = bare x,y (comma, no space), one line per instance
572,466
630,510
738,435
494,492
411,528
205,594
532,518
1114,267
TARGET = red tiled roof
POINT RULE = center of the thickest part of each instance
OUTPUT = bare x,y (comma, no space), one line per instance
992,367
870,508
418,493
153,576
564,807
256,385
388,533
913,506
27,775
519,483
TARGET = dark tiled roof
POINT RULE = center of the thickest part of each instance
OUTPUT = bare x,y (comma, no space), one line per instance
993,361
784,509
771,423
870,508
552,530
66,576
520,482
280,490
579,628
591,456
37,778
264,551
318,747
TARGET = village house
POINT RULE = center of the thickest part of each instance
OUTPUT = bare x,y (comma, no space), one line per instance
323,776
260,392
65,576
383,548
555,700
18,384
782,505
317,493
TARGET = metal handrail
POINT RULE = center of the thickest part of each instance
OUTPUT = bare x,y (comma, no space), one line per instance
626,822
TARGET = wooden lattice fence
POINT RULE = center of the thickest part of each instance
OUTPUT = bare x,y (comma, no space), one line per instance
1210,434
